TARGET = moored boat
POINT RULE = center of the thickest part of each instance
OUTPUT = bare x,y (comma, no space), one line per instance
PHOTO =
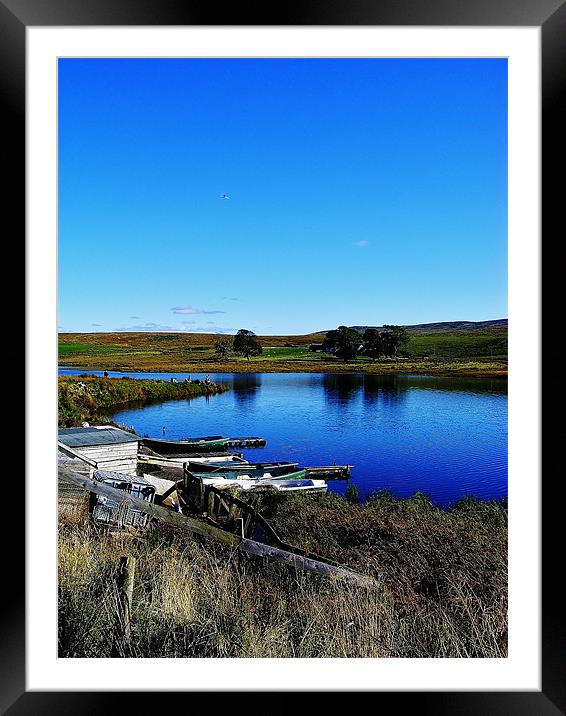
274,468
247,475
188,445
303,485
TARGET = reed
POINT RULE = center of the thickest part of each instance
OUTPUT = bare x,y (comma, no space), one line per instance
443,592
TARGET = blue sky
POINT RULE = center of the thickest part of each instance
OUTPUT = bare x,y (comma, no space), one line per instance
362,191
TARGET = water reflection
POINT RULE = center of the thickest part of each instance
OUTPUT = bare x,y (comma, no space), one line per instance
245,387
340,388
383,388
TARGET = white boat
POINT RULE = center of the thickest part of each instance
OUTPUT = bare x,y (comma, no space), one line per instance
178,462
247,483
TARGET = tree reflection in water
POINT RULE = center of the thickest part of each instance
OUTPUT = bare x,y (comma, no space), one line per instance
341,388
245,387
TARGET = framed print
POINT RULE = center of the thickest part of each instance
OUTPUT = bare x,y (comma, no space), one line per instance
296,235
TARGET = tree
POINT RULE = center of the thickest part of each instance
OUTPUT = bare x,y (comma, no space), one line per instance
372,343
246,344
397,338
345,342
223,346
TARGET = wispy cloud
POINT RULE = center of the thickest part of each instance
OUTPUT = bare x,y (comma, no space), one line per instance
96,325
135,318
215,329
155,327
183,327
360,244
190,310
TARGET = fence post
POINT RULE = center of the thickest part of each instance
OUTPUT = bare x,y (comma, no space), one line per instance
125,583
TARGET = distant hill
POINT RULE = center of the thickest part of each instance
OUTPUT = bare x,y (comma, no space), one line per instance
458,340
449,326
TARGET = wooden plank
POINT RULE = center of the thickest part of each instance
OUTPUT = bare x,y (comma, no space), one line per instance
258,549
73,453
126,576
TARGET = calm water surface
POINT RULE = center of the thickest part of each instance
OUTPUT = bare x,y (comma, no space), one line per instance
446,437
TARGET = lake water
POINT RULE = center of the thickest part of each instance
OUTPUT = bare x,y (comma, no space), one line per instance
446,437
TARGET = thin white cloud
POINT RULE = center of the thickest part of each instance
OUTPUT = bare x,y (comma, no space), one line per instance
216,329
149,327
360,244
184,327
190,310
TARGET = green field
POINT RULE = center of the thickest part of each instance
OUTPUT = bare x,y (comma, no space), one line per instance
66,349
458,345
285,353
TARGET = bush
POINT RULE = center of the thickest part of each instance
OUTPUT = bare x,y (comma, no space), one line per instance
352,494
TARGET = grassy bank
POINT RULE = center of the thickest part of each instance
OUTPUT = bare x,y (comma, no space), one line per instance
443,593
479,352
90,399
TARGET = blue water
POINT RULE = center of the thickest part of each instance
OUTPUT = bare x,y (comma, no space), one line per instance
446,437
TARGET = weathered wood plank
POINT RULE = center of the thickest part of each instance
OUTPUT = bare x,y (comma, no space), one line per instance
258,549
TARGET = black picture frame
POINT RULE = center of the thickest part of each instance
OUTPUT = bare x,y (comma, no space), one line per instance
550,15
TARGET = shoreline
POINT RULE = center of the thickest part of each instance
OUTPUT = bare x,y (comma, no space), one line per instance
94,398
465,369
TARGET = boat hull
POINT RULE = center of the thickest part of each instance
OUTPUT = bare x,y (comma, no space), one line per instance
231,475
300,485
183,447
275,469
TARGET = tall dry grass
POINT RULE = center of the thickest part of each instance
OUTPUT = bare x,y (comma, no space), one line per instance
443,593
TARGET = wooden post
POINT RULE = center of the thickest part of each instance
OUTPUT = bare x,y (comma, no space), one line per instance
210,505
125,583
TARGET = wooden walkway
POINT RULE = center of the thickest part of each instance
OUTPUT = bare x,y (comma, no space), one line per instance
330,472
245,442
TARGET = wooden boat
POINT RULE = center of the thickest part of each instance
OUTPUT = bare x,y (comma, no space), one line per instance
228,459
176,463
304,485
186,446
274,468
247,475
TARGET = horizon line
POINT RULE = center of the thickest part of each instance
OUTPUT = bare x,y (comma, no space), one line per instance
213,333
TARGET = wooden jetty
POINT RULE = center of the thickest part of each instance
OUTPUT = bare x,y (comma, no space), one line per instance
330,472
254,442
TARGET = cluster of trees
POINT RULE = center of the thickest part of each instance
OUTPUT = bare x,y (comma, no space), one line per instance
347,343
244,343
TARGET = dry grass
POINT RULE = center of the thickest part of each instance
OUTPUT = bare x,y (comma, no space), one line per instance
443,592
